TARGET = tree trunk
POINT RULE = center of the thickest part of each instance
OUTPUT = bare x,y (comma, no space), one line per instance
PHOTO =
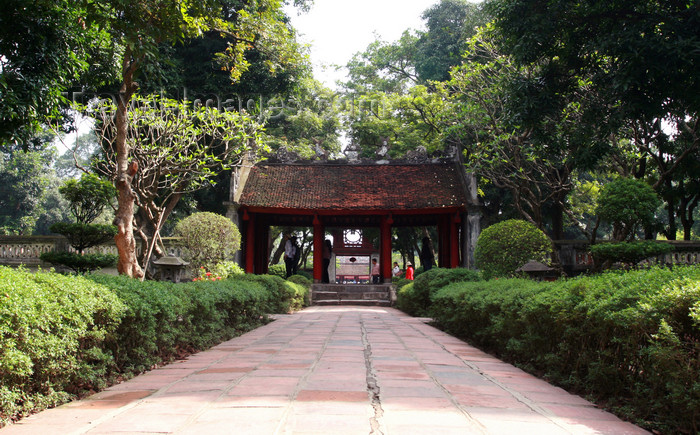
128,263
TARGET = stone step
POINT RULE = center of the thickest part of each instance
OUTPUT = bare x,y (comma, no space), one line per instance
363,302
352,294
346,295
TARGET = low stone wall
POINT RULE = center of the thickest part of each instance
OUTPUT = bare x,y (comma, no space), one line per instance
26,250
575,258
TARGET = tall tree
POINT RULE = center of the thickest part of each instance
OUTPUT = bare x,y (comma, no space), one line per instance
44,48
141,28
639,58
450,23
175,149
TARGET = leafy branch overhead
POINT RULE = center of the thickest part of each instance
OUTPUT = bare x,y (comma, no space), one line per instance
175,149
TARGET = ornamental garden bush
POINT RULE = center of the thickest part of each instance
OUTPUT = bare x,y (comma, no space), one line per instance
208,239
63,336
505,246
415,298
628,205
629,339
87,198
53,333
629,253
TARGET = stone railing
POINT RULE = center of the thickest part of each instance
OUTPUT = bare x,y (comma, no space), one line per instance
575,258
26,250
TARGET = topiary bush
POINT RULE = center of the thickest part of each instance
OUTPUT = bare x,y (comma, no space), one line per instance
277,270
87,198
208,239
419,296
630,339
53,329
629,253
627,204
79,263
505,246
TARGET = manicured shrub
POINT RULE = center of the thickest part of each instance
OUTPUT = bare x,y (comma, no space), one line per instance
82,236
628,252
61,335
222,270
277,270
80,263
505,246
87,198
630,339
286,296
627,204
417,298
208,239
302,294
52,332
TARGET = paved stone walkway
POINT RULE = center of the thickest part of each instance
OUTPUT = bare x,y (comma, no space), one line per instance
333,370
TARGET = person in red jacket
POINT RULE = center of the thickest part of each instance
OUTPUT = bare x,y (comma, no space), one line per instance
409,271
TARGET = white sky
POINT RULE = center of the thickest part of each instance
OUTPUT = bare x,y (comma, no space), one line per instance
337,29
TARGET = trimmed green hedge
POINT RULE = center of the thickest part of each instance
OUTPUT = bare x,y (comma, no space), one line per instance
53,329
62,336
629,252
415,297
632,340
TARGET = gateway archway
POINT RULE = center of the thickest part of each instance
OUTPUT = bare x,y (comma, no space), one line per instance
343,195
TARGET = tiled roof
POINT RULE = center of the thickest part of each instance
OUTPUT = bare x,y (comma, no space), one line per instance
319,186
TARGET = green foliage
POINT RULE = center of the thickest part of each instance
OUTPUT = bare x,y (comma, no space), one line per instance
208,239
629,252
82,236
301,280
277,270
505,246
630,339
302,292
407,300
450,24
285,295
164,320
61,336
627,204
222,270
53,330
45,48
87,197
80,263
416,298
23,182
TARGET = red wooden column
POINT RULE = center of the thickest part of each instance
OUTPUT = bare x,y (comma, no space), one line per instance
319,240
249,242
385,245
454,240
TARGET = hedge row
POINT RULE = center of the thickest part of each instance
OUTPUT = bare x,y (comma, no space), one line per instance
632,340
415,297
62,336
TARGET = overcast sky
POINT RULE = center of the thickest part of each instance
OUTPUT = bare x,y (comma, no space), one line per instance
337,29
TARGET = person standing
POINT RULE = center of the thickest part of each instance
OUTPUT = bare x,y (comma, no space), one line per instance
289,254
409,271
427,259
376,274
396,271
327,254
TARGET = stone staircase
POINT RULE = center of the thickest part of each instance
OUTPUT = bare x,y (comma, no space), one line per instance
353,294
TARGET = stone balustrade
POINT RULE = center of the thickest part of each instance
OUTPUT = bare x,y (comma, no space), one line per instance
575,258
26,250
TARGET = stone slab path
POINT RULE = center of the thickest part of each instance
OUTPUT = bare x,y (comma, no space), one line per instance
333,370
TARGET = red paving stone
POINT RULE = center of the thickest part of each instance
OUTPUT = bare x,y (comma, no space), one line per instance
333,370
